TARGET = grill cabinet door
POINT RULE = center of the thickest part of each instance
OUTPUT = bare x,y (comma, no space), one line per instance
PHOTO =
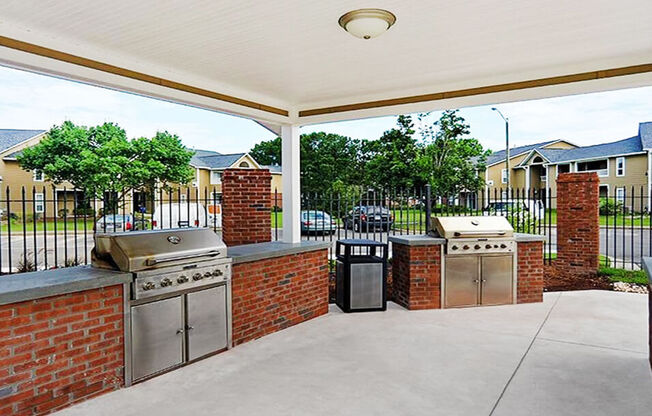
497,282
206,321
366,285
462,281
157,342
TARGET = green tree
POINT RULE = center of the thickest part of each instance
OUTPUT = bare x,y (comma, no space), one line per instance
391,160
101,159
267,152
450,160
326,159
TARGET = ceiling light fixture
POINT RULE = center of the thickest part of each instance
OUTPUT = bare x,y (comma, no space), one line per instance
367,23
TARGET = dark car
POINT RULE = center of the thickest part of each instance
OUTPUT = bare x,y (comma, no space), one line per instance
368,218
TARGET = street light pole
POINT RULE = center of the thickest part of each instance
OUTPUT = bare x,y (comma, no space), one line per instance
506,146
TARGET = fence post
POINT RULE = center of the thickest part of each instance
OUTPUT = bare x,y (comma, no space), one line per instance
428,208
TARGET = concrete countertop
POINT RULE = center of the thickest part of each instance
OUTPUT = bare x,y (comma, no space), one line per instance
417,240
41,284
647,266
526,238
253,252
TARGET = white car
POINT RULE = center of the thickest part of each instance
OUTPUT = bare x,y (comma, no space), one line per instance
180,215
531,206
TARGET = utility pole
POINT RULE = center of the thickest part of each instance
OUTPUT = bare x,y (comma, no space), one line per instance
506,146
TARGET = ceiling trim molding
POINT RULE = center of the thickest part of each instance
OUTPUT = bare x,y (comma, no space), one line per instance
511,86
139,76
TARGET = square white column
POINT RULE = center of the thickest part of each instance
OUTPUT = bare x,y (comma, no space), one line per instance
290,160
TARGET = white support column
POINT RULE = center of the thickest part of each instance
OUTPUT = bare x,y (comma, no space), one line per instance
290,160
527,181
649,180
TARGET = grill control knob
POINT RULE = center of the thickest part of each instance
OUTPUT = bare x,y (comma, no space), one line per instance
207,275
454,248
477,247
149,286
182,279
503,246
217,272
166,282
495,245
488,246
197,276
465,247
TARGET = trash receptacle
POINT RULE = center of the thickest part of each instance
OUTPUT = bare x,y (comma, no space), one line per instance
361,275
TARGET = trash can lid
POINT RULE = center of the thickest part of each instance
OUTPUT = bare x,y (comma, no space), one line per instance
361,242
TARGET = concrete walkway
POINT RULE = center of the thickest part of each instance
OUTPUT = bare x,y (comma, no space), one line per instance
577,353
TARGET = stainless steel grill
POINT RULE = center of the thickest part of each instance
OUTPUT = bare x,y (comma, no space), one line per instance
179,302
479,260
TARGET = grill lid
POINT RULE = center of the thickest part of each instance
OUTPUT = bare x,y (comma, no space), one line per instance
473,227
141,250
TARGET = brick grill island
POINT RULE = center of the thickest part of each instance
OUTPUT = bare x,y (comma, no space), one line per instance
417,270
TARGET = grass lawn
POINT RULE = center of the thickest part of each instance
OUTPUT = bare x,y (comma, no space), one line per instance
17,226
627,276
620,220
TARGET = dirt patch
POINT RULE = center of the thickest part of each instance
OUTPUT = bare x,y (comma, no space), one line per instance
557,280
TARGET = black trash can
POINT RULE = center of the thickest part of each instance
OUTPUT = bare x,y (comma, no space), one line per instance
361,275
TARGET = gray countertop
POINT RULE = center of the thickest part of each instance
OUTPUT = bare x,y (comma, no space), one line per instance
426,240
35,285
647,266
261,251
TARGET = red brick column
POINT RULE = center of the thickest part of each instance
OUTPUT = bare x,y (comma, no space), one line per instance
272,294
578,223
529,272
60,350
416,276
246,206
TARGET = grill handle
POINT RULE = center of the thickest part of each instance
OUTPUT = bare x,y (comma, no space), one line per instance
159,260
462,234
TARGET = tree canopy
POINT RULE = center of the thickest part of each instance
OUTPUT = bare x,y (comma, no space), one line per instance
102,158
441,154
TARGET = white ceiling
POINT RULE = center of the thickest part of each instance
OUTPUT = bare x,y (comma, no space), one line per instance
292,54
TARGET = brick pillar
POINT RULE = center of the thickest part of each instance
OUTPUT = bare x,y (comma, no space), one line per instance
246,206
578,223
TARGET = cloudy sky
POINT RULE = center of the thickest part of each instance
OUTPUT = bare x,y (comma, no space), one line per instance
31,101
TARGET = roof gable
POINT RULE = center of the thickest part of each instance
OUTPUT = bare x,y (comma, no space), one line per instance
499,156
645,134
12,137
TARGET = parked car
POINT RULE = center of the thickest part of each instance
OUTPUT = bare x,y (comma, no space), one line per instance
179,215
534,207
317,222
368,218
115,223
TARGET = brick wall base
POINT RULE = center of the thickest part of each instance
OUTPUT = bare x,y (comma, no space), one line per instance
530,272
273,294
416,276
60,350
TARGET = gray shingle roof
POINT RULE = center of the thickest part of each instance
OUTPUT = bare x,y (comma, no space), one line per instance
620,147
496,157
12,137
272,168
214,160
645,133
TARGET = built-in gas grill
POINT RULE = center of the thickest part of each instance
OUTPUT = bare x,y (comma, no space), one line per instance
479,260
179,303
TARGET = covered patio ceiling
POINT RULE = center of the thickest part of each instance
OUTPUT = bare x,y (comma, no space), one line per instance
289,62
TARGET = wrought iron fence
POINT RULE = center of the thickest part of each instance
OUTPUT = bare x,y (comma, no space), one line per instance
49,227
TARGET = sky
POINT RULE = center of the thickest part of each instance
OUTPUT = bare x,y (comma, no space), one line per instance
33,101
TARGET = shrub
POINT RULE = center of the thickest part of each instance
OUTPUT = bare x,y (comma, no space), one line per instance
610,207
25,265
63,212
84,211
71,262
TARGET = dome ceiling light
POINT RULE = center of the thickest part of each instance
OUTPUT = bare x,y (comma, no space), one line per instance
367,23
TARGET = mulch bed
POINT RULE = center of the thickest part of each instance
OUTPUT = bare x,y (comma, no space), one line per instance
556,280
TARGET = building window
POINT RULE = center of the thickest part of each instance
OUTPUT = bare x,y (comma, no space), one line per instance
243,165
38,176
216,177
565,168
620,195
620,166
544,177
39,203
503,176
183,198
600,166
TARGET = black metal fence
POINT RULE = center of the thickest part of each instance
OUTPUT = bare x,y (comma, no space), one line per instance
48,227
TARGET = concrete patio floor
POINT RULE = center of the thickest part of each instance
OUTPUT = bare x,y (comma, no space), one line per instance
577,353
